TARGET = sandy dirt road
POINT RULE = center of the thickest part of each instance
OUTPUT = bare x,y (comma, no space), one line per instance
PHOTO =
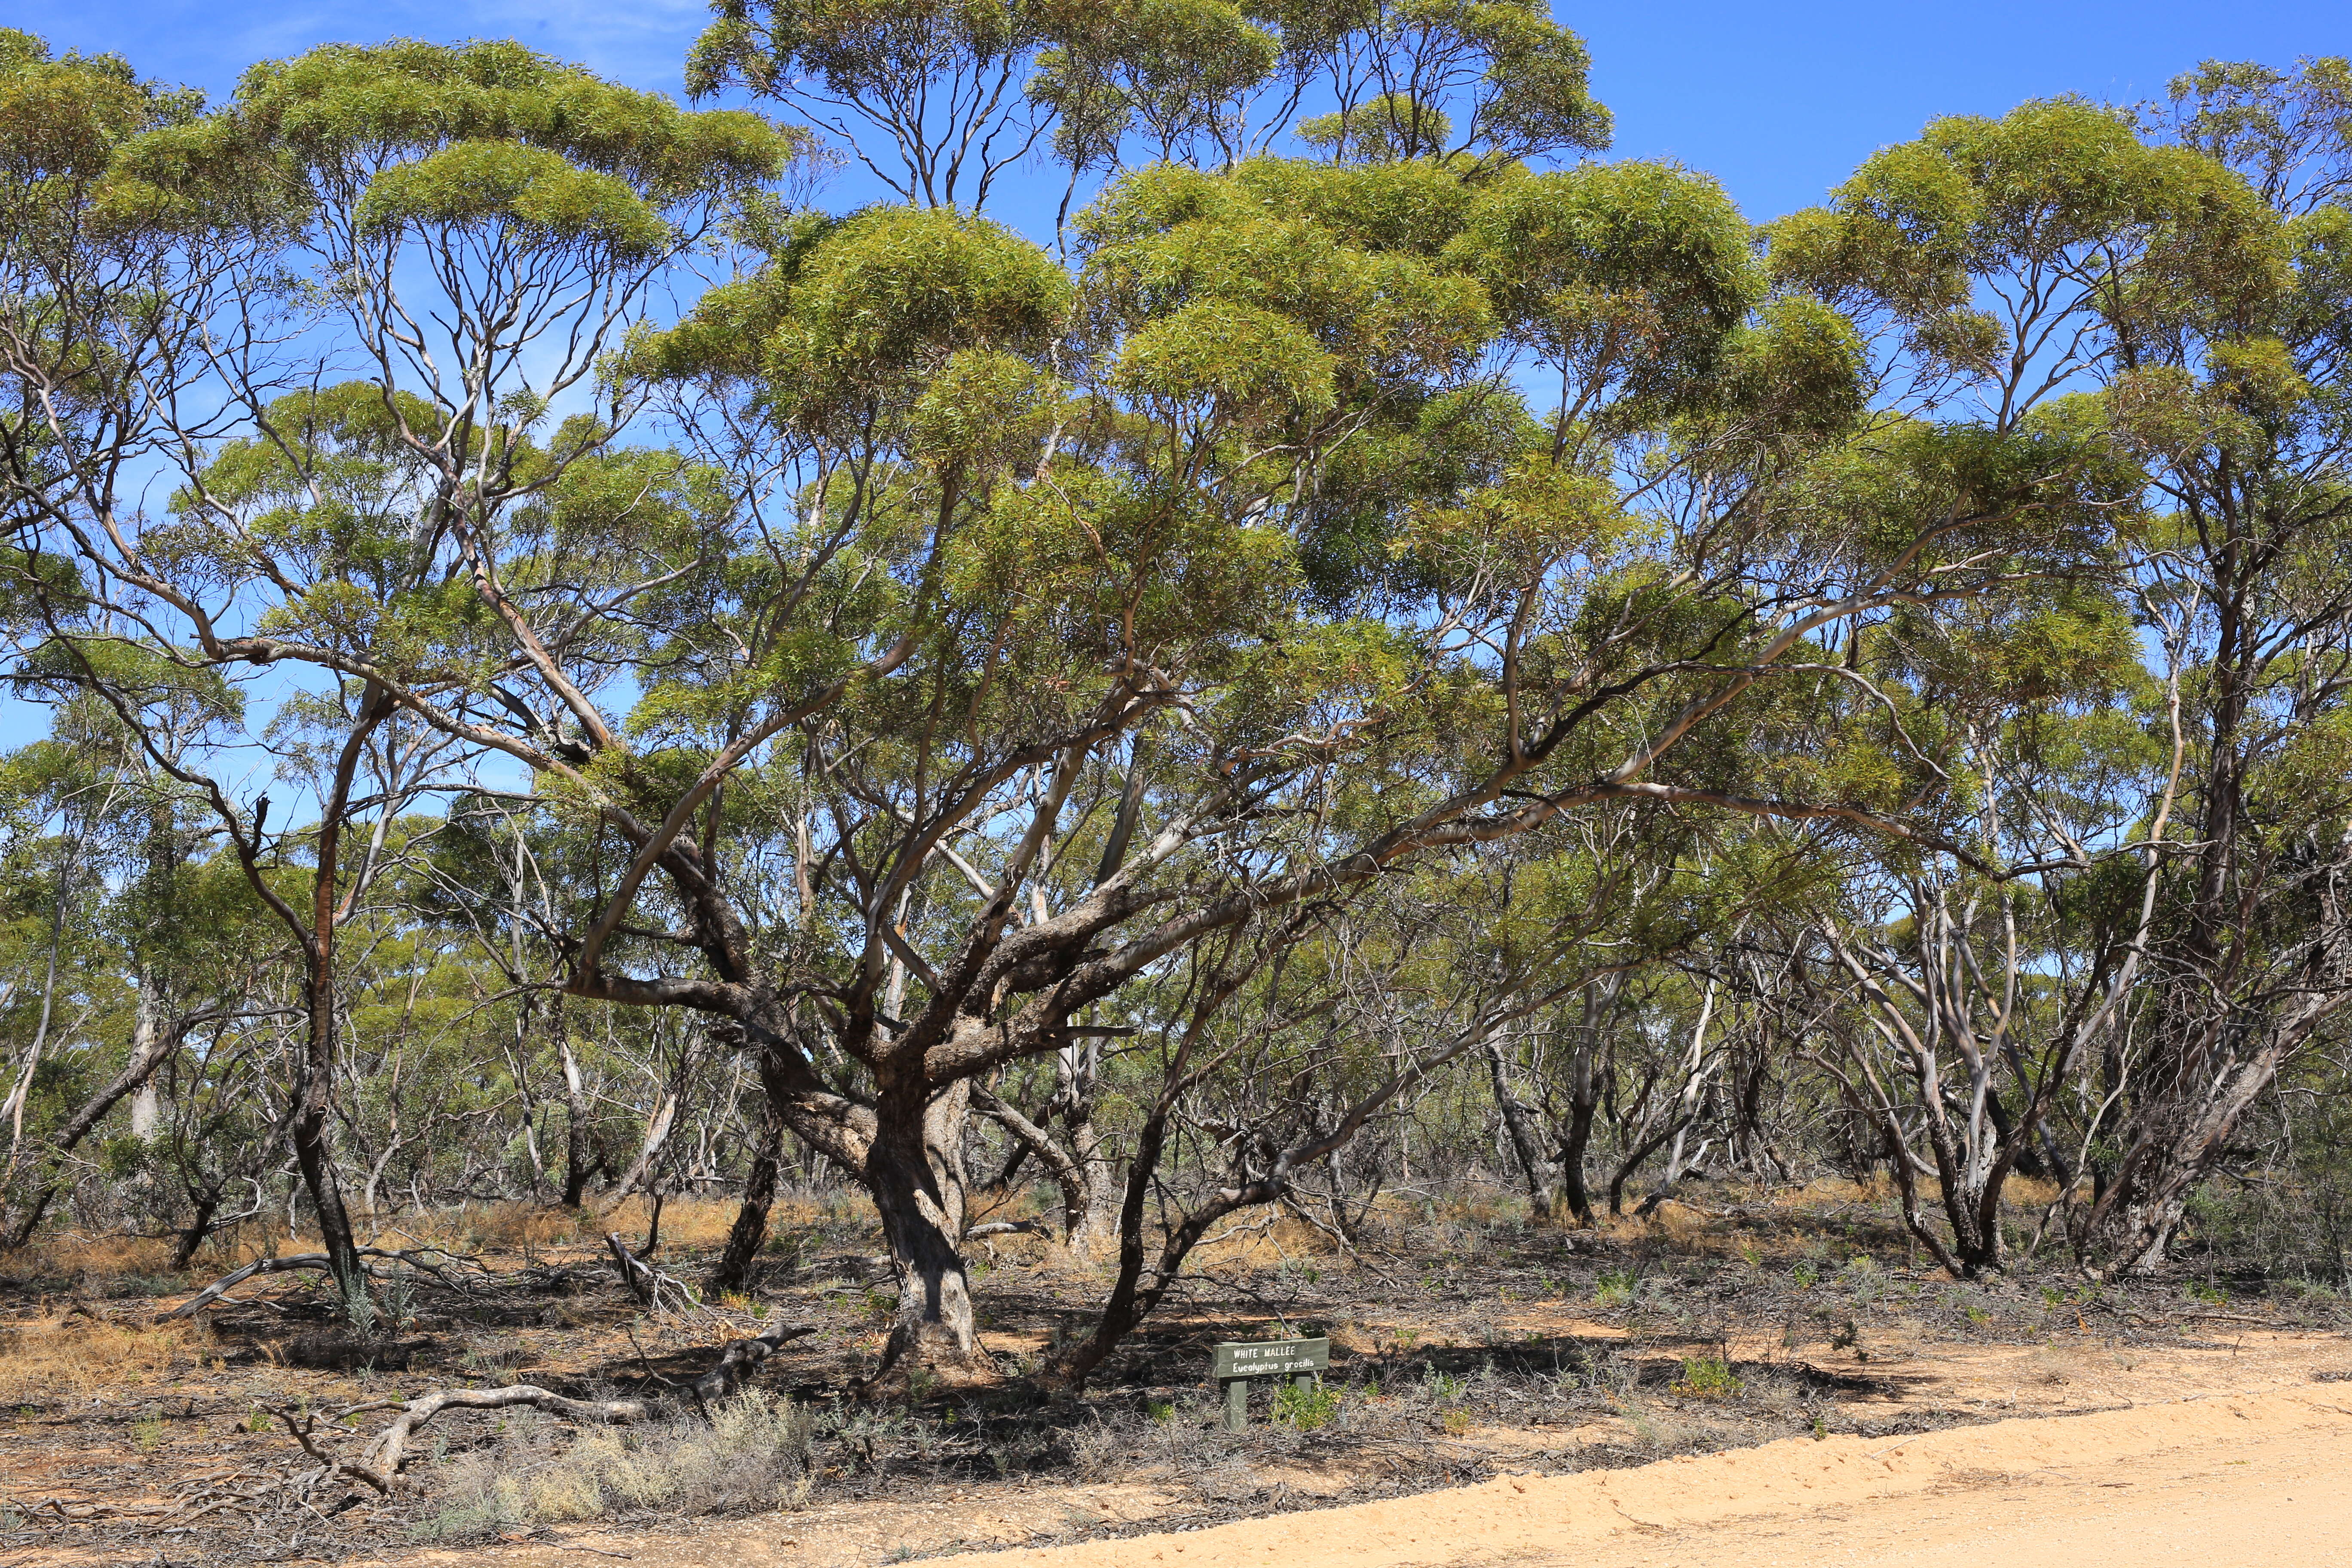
2241,1480
2109,1455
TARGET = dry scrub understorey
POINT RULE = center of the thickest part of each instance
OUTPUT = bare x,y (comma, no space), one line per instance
1467,1344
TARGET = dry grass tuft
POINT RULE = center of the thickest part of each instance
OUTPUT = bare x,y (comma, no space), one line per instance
74,1357
100,1258
1265,1246
515,1227
802,1206
114,1264
525,1228
685,1221
753,1454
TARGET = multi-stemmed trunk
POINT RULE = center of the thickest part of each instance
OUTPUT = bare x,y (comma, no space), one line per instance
1556,1180
2230,1014
1081,1164
913,1172
1656,1123
1632,1161
2131,1225
1972,1170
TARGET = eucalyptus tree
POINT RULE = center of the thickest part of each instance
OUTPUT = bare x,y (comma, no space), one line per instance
937,98
2192,276
475,225
1270,1049
91,341
1021,636
1980,1000
1666,900
1088,614
2177,298
2008,262
2237,408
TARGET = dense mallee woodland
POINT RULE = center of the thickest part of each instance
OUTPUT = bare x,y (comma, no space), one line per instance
702,846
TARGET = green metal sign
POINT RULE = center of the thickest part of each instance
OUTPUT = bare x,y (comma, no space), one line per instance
1238,1361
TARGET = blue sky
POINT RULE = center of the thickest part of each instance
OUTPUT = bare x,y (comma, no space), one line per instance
1777,100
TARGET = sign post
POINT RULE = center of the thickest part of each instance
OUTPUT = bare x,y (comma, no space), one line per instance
1239,1361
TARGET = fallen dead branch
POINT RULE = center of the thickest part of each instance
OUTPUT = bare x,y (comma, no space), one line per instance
645,1281
214,1491
389,1452
82,1512
2168,1319
317,1263
313,1261
303,1428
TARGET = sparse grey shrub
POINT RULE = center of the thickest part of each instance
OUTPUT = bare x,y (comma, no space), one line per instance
753,1453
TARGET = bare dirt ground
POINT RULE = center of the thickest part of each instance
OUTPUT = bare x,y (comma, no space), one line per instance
1771,1374
2220,1481
2227,1455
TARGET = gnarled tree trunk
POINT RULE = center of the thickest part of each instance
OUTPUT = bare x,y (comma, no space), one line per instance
914,1171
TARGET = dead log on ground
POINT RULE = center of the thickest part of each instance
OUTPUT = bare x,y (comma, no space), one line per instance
389,1452
317,1262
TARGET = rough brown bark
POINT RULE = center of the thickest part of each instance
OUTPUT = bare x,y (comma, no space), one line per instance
200,1225
309,1128
750,1232
1572,1149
